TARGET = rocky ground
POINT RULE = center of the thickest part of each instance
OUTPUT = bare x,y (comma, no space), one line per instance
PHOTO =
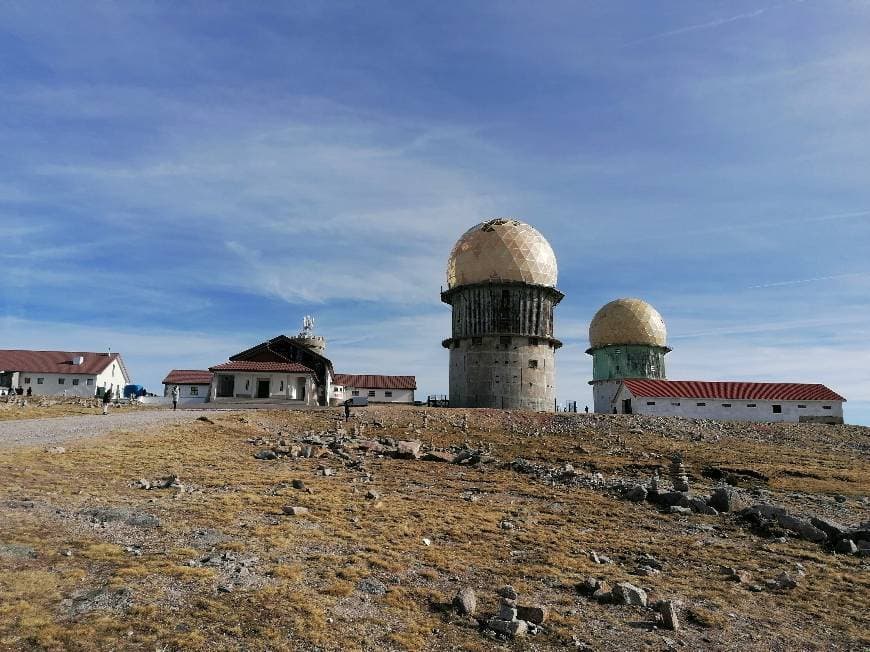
413,528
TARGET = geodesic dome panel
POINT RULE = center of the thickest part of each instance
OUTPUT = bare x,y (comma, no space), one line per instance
627,321
502,250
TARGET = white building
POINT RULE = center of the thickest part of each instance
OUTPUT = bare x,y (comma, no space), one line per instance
377,388
290,381
63,373
193,385
733,401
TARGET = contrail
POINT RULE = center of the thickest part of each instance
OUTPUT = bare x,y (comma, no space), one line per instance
709,25
807,280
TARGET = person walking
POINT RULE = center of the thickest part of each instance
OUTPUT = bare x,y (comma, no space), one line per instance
175,394
107,398
346,411
587,409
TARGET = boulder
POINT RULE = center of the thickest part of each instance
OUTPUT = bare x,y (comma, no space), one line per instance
515,628
588,586
439,456
834,530
534,614
847,546
465,601
625,593
668,611
727,499
294,510
408,450
636,494
671,498
684,511
267,454
508,592
298,484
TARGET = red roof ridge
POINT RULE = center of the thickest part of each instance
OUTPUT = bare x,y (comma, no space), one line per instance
731,389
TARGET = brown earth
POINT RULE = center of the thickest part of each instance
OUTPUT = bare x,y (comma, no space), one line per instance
227,569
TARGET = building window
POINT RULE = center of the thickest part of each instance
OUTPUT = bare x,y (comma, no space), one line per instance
726,405
533,341
533,364
650,402
476,341
388,394
194,390
355,392
61,380
700,404
281,388
27,381
505,341
826,407
777,409
371,392
675,404
75,381
751,405
39,381
802,407
90,381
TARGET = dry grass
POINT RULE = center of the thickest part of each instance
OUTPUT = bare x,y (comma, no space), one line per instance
310,567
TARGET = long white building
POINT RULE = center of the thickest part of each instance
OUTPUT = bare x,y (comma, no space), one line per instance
732,401
377,388
62,373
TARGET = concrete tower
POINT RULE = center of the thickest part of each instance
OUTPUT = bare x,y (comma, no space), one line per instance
627,339
501,279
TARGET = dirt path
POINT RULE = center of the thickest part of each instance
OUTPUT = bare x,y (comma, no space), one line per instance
36,432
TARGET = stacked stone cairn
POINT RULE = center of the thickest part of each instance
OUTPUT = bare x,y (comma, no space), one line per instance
513,619
679,479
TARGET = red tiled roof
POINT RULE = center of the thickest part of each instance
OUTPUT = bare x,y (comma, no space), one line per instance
188,377
56,362
247,365
731,390
372,381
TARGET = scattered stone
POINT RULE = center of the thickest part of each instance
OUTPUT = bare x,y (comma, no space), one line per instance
466,601
625,593
833,529
840,498
371,494
294,510
427,542
439,456
599,559
17,551
56,450
515,628
325,471
371,586
735,575
204,419
298,484
506,525
684,511
588,586
508,592
267,454
668,611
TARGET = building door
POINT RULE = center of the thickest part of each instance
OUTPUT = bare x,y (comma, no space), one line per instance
226,385
262,389
300,389
626,406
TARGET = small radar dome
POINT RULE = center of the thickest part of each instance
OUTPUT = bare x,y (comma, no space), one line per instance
627,321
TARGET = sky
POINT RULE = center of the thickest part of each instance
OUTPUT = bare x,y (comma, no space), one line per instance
180,181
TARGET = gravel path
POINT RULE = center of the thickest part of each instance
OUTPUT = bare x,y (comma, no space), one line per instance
35,432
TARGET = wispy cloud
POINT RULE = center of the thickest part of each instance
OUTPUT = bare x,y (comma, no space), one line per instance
802,281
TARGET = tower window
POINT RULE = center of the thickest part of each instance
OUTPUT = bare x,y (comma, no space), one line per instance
726,405
505,341
700,404
533,341
476,341
777,409
650,402
802,407
533,364
826,407
751,405
676,404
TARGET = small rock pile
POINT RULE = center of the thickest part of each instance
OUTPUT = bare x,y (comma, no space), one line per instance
513,619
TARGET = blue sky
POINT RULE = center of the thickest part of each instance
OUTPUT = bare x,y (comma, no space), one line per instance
181,181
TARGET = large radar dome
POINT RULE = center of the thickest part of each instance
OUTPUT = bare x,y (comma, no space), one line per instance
627,321
502,250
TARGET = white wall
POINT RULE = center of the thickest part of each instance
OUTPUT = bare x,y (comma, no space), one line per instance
289,391
739,410
51,387
113,376
380,395
185,391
